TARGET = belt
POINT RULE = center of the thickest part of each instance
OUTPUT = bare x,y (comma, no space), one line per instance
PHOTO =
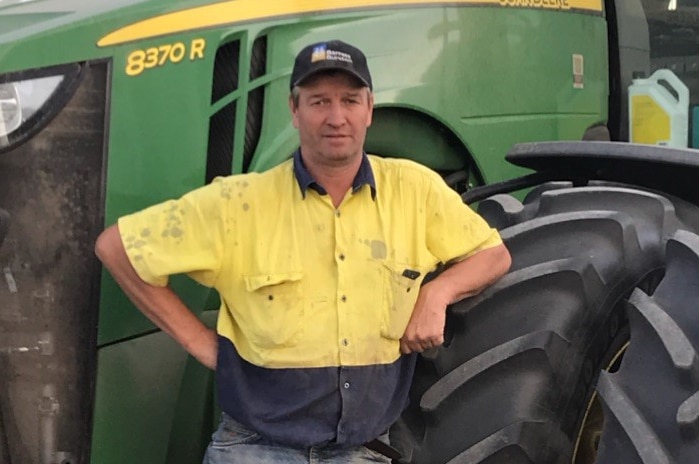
382,448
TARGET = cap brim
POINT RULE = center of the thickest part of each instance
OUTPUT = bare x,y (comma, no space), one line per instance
354,74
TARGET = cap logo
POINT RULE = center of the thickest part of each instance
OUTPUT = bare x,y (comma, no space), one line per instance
322,53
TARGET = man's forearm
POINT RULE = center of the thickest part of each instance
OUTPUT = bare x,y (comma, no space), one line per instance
471,276
160,304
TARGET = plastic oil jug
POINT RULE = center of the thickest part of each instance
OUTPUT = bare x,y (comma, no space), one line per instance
656,116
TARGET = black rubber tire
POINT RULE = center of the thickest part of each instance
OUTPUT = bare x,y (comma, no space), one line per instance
652,402
520,361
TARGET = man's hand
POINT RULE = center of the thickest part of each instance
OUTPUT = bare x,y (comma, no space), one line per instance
466,278
425,329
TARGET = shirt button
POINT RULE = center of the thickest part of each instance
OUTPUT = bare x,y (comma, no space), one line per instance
337,213
343,298
347,385
345,342
342,257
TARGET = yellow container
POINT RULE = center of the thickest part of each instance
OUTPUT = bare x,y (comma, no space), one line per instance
656,116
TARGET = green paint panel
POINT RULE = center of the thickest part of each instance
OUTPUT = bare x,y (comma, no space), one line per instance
154,404
136,397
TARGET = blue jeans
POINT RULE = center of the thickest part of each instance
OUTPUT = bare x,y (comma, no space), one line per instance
234,444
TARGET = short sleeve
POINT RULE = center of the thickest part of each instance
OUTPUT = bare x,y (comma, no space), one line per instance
177,236
454,230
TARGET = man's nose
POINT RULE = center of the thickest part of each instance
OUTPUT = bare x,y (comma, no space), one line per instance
336,114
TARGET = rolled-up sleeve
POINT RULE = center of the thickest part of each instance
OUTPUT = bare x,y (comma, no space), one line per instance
177,236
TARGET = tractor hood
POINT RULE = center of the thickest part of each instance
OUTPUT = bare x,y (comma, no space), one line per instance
64,6
27,6
18,15
72,27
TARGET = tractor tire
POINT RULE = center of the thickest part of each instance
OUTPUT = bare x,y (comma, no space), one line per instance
517,373
651,403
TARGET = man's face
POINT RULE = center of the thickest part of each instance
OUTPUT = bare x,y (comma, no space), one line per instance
332,117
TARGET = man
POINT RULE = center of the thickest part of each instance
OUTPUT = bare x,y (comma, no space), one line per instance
318,263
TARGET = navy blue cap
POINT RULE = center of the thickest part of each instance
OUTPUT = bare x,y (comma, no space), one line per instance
328,56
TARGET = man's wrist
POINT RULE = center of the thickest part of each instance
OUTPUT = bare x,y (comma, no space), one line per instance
439,291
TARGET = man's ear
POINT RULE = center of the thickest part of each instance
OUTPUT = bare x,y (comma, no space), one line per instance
294,112
371,109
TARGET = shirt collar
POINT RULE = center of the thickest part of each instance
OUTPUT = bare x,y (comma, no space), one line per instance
365,176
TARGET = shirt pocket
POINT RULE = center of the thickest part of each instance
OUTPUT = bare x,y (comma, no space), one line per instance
402,286
276,308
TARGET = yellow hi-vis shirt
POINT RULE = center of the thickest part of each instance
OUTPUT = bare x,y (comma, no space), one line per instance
303,285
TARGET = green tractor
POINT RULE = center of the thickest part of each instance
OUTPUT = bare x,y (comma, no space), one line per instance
586,352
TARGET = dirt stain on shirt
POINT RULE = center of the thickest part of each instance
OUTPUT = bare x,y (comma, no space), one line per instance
378,248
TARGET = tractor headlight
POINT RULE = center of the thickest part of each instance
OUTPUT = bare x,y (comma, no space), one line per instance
10,111
20,100
30,99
